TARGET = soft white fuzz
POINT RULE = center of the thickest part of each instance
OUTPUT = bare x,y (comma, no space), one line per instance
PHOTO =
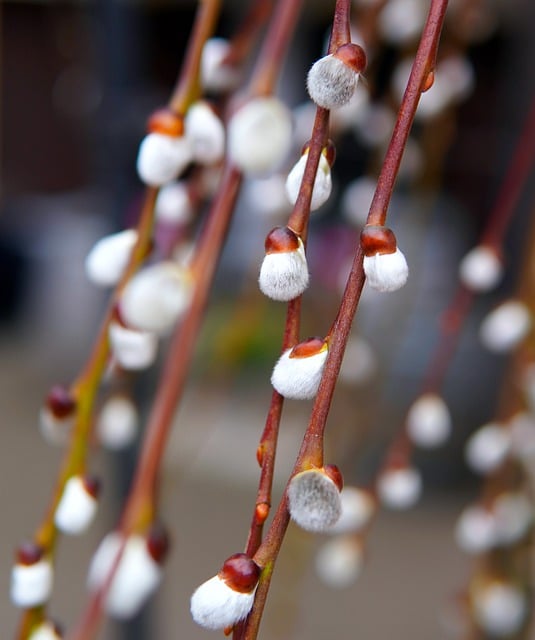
107,260
475,531
298,377
322,183
266,197
117,423
76,509
481,270
215,605
206,133
45,631
487,448
514,517
429,421
331,83
54,430
314,500
31,585
356,200
357,506
401,21
137,575
156,297
216,76
386,271
522,429
260,135
399,488
339,562
500,608
173,203
133,350
284,275
359,363
162,158
506,326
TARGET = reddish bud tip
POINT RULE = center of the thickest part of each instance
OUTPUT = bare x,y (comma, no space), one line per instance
329,151
377,239
353,56
158,543
334,473
309,347
166,122
281,240
92,486
29,553
260,455
262,512
429,81
240,572
60,402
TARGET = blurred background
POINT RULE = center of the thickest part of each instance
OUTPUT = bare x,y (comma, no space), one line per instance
78,82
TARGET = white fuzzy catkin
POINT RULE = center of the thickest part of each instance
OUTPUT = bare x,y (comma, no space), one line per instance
76,509
216,605
206,133
500,608
216,75
522,430
156,297
314,500
284,275
136,577
386,271
322,183
357,507
107,260
173,203
133,350
298,377
359,363
260,135
514,517
399,488
475,531
45,631
54,430
487,448
117,423
331,83
481,270
356,200
506,326
162,158
429,421
339,562
401,21
31,585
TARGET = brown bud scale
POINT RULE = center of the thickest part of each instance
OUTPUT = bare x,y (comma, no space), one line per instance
240,573
60,402
309,347
429,81
281,240
158,543
166,122
377,239
353,56
335,475
29,553
92,486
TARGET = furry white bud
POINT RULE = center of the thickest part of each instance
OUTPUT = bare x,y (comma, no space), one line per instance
216,605
314,500
339,562
136,577
133,350
399,488
331,82
54,430
401,21
156,297
284,272
117,423
173,203
429,421
322,183
514,517
77,507
31,584
522,429
386,271
506,326
356,200
216,75
481,270
107,260
500,608
206,133
298,372
260,135
161,158
357,508
475,531
267,197
46,631
487,448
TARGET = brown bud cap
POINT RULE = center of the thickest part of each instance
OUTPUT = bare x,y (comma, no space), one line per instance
260,455
309,347
329,151
281,240
158,543
29,553
377,239
60,402
352,55
335,475
240,573
92,486
165,121
429,81
262,511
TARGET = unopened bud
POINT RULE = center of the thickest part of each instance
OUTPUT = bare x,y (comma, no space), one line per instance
487,448
57,415
357,508
475,531
505,327
78,505
31,577
284,271
314,499
117,423
133,350
429,421
322,183
206,133
46,631
500,608
298,371
216,75
399,488
384,264
173,204
481,269
162,158
339,562
108,259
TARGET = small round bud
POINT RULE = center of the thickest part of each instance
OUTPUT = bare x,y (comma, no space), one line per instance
399,488
386,272
206,134
475,531
505,327
109,257
514,517
117,423
173,204
377,239
240,573
314,500
158,543
322,183
162,158
331,82
500,608
46,631
481,269
487,448
133,350
298,372
401,21
31,578
216,75
358,506
353,56
78,505
60,402
165,121
339,562
284,271
260,135
429,421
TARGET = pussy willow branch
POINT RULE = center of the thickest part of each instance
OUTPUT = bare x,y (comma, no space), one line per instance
311,452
